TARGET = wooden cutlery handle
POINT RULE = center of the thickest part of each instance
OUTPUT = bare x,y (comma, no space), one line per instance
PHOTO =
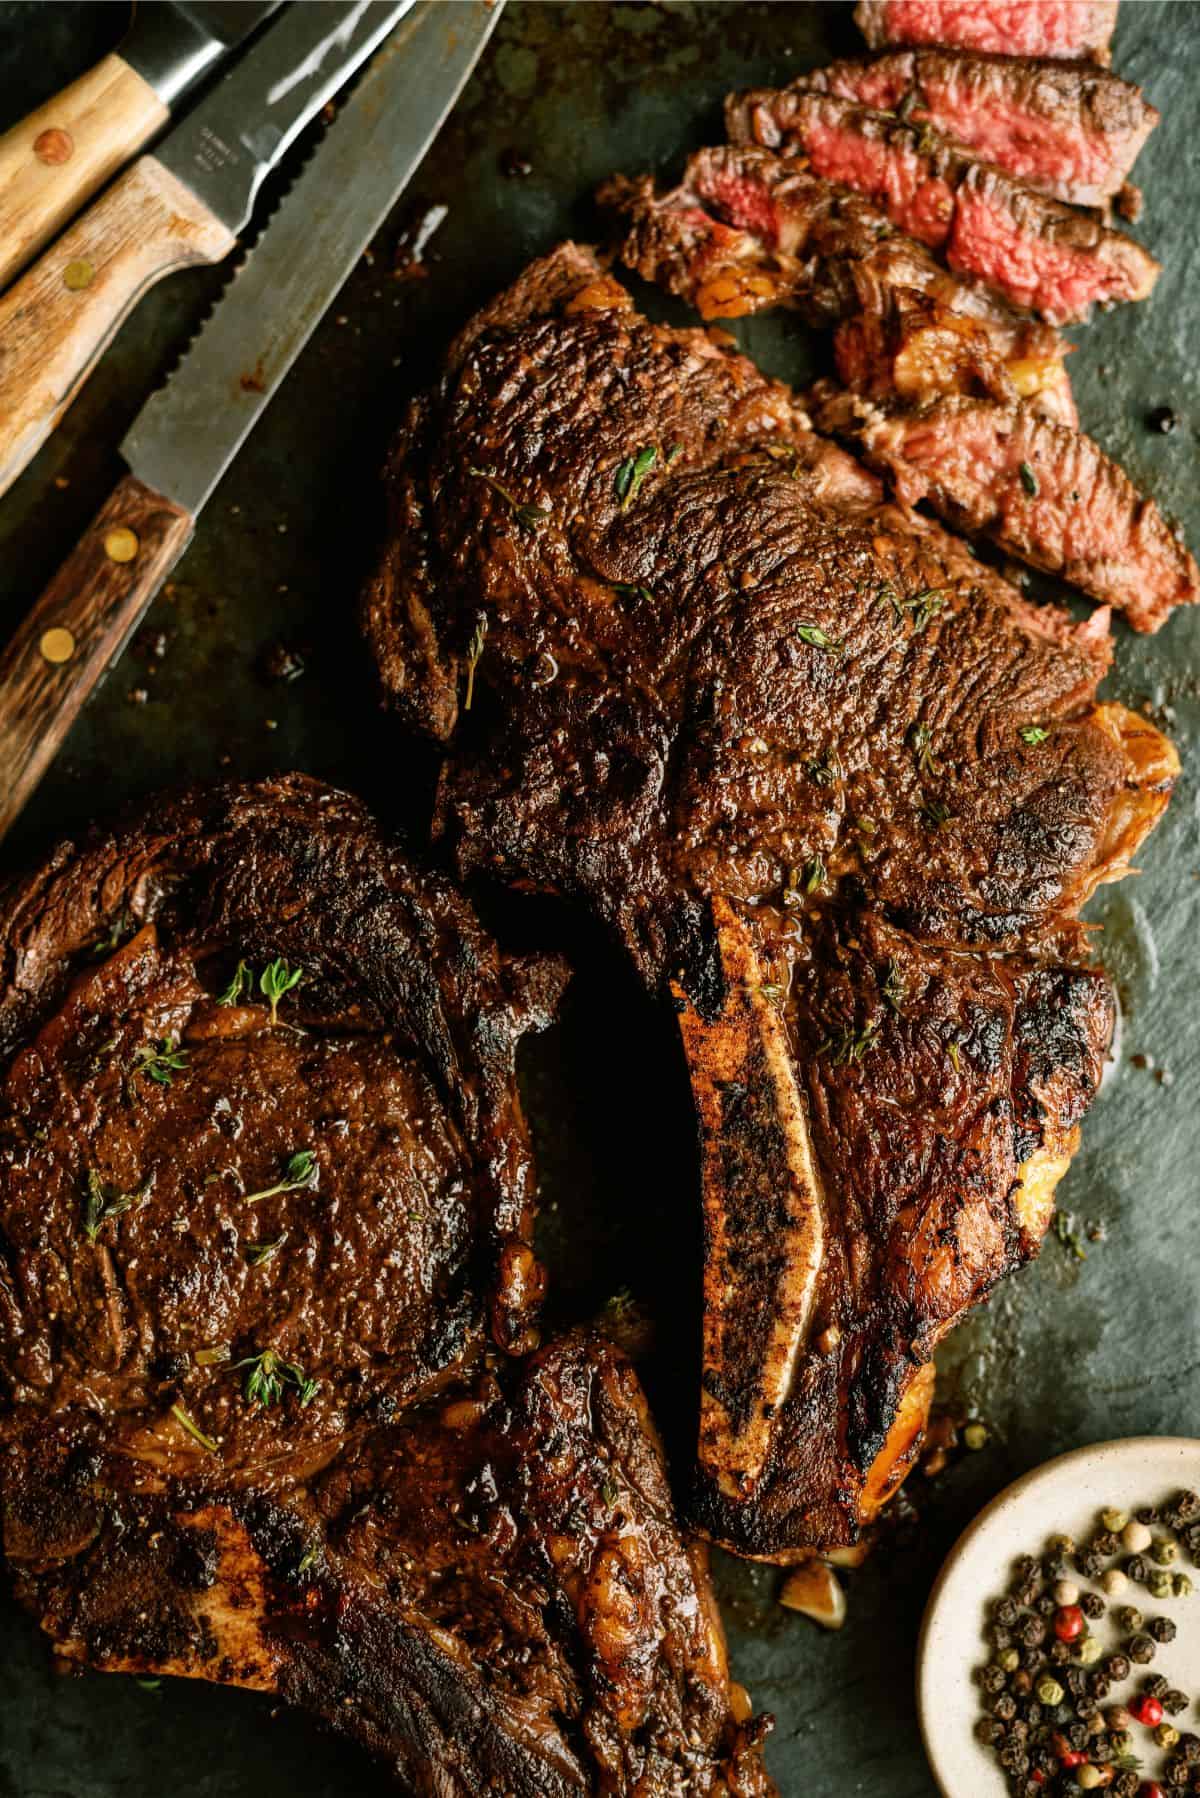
79,625
56,158
57,319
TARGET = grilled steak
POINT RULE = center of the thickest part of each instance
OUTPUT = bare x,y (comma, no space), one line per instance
1068,128
1040,254
841,793
1014,27
1047,493
490,1593
747,230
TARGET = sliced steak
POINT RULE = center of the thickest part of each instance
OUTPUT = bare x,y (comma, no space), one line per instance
1070,129
490,1594
1047,493
1013,27
1040,254
838,790
748,230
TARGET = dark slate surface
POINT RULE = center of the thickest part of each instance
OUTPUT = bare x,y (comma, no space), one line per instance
1068,1353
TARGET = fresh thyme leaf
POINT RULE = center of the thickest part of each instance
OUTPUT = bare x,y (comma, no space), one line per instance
1028,480
674,453
632,472
815,874
610,1492
866,827
892,991
925,606
887,595
276,980
953,1052
474,652
106,944
101,1203
309,1559
921,739
934,813
148,1685
848,1047
530,518
212,1357
258,1253
193,1429
299,1170
269,1377
1033,734
628,592
1064,1229
772,992
812,633
161,1064
243,981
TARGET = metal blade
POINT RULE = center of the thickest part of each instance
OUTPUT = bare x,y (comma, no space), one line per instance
239,131
188,433
172,42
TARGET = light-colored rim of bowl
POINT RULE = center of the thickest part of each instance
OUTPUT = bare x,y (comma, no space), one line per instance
1093,1451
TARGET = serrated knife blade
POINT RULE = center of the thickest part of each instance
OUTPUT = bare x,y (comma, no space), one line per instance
188,433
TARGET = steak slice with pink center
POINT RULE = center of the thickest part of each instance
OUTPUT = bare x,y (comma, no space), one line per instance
1015,27
1069,129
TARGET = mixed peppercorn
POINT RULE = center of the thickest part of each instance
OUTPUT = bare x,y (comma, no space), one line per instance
1051,1711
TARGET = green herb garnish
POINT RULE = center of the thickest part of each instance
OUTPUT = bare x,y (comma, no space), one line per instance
213,1357
772,993
815,874
309,1559
1064,1229
101,1203
257,1253
299,1170
193,1429
628,592
530,518
474,652
920,607
243,981
161,1064
148,1685
892,991
609,1491
921,739
934,813
952,1052
848,1047
633,471
270,1376
812,633
1028,480
1033,734
277,979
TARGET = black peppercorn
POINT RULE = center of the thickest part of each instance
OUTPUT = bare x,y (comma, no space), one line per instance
1033,1713
1174,1701
1100,1686
1060,1653
1138,1569
1032,1632
1036,1659
999,1636
1100,1748
1046,1605
1005,1611
1076,1680
1020,1683
1025,1567
1155,1686
1105,1543
1189,1747
992,1679
1091,1604
1004,1706
1176,1774
1161,1628
1163,419
1014,1760
1125,1785
1140,1649
1117,1667
1149,1514
1052,1567
1090,1565
1077,1735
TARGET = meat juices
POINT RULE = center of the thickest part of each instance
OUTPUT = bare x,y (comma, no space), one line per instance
839,791
256,1275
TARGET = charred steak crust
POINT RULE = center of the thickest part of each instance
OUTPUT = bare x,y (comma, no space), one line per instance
833,784
1069,128
490,1594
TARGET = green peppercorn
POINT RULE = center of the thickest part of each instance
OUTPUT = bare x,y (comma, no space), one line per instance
1161,1583
1114,1520
1164,1550
1049,1691
1089,1649
1008,1660
1061,1546
1181,1586
1166,1735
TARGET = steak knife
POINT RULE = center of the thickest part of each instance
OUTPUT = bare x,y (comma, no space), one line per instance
58,156
189,432
183,204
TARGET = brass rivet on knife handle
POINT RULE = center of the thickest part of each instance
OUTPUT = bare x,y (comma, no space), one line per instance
56,320
60,155
77,628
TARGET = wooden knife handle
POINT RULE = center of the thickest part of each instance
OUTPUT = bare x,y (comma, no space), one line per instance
56,320
79,625
56,158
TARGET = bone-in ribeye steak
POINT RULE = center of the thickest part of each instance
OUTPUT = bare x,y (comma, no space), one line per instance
253,1430
1069,128
840,791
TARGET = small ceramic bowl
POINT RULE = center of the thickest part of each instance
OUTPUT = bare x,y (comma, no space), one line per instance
1063,1497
